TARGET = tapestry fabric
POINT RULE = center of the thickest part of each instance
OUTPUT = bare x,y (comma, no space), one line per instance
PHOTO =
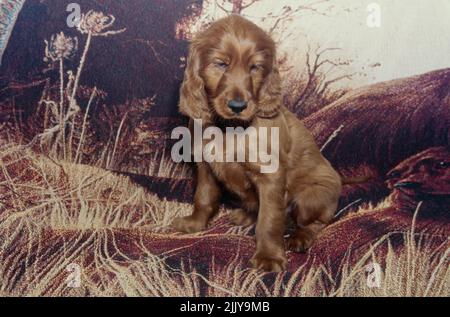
89,94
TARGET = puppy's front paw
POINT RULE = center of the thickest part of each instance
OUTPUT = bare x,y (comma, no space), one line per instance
188,224
268,263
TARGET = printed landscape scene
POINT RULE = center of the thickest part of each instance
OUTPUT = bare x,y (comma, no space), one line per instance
88,187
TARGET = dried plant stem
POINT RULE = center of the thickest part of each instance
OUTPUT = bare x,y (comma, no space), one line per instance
347,208
46,115
72,130
73,103
80,67
411,251
83,129
117,141
332,137
61,105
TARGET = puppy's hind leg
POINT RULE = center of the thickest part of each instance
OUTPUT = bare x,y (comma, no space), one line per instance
247,215
314,210
240,217
304,236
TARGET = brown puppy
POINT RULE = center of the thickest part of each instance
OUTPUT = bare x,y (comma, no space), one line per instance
232,80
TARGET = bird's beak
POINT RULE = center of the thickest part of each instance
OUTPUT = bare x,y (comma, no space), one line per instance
407,185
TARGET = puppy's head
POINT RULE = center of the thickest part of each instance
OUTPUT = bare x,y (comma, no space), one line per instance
231,73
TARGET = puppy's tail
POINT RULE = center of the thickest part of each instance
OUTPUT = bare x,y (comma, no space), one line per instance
355,180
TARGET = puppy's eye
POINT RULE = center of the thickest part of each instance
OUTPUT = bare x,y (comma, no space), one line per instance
254,68
221,64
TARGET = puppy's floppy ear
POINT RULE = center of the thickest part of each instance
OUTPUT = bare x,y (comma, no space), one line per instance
193,100
270,95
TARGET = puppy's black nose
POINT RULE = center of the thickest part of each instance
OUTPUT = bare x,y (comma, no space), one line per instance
237,106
